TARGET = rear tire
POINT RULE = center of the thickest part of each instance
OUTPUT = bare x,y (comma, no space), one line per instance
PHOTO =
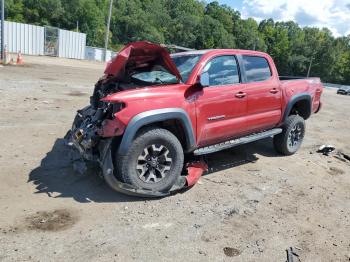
291,138
154,160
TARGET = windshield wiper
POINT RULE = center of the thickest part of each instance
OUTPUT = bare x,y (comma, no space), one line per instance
158,79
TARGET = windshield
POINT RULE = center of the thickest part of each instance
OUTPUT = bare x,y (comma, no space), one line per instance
155,77
159,75
185,64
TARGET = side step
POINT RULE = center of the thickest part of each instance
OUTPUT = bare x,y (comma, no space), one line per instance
237,142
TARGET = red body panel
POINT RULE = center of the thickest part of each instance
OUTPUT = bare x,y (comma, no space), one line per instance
312,86
262,106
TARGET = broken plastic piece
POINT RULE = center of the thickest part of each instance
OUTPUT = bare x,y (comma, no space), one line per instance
195,171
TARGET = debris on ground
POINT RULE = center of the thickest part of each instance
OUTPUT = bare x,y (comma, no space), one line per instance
326,149
291,253
345,156
231,251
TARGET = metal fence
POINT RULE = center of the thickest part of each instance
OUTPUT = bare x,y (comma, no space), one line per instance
96,54
71,44
29,39
38,40
51,41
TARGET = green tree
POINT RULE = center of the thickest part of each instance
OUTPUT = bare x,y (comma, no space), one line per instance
221,13
90,15
43,12
186,18
14,11
248,36
212,34
194,24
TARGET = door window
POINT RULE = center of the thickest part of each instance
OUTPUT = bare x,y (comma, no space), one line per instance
222,70
256,68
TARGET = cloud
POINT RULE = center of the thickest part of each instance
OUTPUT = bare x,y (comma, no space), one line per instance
333,14
303,18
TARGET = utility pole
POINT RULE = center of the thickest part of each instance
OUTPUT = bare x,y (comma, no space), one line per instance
3,30
107,29
308,71
256,42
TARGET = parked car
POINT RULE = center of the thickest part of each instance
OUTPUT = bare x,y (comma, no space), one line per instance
345,90
151,108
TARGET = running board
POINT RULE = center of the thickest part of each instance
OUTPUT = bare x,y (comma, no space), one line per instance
237,142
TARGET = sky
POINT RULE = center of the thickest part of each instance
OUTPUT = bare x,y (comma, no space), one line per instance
334,14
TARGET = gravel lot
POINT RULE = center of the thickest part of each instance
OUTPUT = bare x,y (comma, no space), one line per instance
252,205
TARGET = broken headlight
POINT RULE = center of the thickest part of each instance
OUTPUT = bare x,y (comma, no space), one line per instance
111,108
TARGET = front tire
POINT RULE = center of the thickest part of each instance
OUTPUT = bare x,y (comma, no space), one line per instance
154,161
291,138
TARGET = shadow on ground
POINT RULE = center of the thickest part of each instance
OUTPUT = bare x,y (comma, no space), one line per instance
56,177
240,155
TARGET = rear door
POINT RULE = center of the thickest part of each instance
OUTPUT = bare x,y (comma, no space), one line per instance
264,106
221,107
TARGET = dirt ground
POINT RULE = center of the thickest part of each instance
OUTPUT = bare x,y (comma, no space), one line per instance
251,206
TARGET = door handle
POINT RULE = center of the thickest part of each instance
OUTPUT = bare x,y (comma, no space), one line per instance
274,91
240,94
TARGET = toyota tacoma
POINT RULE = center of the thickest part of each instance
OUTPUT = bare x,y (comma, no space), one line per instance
151,109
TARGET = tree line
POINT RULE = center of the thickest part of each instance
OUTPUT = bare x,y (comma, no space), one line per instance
194,24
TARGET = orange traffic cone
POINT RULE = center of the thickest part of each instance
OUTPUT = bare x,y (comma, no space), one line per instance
19,58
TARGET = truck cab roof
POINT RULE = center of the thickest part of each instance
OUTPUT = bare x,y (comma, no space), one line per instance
218,51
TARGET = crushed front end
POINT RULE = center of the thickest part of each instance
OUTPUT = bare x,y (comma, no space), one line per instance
96,132
96,123
92,125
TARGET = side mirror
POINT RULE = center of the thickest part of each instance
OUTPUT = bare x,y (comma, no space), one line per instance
204,79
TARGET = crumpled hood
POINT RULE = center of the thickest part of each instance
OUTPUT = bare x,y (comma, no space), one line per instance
136,55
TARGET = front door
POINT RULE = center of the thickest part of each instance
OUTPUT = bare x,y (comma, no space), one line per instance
221,106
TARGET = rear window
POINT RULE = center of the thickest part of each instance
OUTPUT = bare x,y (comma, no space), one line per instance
256,68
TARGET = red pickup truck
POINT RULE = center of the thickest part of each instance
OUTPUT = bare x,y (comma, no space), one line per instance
150,109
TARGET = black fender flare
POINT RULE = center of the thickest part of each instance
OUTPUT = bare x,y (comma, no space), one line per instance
295,99
153,116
